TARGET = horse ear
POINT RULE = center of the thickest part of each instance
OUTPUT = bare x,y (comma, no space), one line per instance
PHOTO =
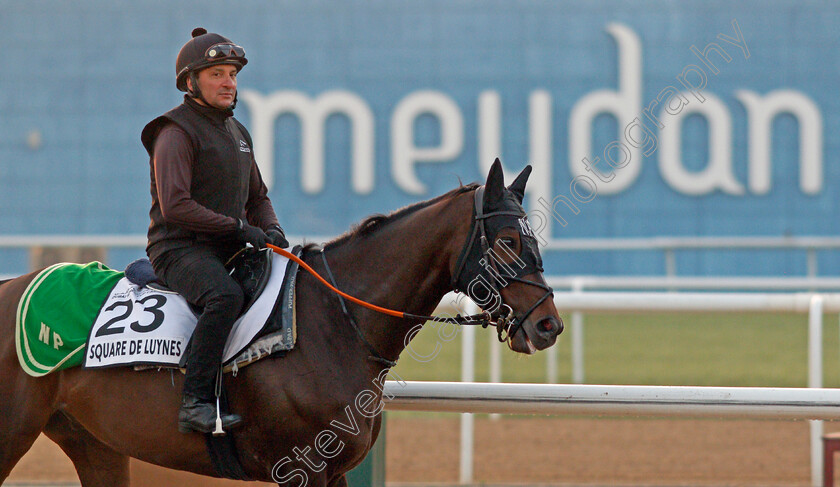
495,185
517,187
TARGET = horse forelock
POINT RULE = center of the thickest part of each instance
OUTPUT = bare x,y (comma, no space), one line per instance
374,223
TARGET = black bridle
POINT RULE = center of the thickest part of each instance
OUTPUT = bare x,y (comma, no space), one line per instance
507,323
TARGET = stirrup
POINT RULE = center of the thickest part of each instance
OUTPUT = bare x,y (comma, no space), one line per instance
218,431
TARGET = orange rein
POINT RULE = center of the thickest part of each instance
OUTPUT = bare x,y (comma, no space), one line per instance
358,301
480,319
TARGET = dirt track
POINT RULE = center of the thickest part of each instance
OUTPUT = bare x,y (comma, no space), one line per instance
590,451
608,452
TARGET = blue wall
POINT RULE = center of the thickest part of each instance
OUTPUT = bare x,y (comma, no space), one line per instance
87,76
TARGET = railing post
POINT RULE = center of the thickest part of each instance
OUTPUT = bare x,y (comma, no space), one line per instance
812,262
496,364
577,339
551,365
815,379
670,262
467,420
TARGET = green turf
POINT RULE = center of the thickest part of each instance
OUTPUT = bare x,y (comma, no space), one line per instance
708,349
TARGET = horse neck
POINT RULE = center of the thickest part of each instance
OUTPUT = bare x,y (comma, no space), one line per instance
405,266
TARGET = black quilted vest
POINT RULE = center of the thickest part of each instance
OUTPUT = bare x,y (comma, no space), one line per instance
220,174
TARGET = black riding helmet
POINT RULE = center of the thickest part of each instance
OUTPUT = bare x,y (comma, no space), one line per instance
202,51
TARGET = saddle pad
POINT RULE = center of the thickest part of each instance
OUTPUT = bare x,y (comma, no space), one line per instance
146,326
55,313
74,314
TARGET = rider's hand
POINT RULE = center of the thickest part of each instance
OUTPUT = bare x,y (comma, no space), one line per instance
251,234
277,237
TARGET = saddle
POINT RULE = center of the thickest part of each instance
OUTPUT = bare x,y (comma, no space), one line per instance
250,268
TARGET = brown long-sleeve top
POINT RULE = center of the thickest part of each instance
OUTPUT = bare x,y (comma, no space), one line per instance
173,163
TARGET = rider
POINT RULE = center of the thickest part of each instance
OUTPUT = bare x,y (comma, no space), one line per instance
208,199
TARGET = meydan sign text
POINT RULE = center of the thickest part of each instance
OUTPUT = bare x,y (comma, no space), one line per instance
655,128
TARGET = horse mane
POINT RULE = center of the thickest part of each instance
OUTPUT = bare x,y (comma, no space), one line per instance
377,221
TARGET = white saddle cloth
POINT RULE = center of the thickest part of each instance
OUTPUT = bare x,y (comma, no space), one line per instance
145,326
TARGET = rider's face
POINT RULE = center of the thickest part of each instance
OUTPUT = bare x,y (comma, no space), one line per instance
218,85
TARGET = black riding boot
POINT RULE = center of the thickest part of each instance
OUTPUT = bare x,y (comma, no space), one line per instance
198,415
198,409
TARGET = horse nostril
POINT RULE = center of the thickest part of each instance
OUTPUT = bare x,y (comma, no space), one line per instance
550,325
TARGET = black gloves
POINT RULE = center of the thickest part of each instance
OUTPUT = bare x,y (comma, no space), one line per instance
255,236
251,234
277,237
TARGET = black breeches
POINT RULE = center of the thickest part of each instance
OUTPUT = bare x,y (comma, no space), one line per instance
198,274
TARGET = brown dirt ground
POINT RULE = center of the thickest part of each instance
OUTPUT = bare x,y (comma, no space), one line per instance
554,451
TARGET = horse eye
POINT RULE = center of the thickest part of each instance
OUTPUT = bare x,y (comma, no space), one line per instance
508,242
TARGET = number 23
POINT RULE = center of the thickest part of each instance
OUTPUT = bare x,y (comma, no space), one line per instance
155,309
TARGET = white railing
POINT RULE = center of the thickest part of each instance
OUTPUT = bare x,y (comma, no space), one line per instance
672,401
713,283
668,245
108,241
567,244
578,302
669,401
688,243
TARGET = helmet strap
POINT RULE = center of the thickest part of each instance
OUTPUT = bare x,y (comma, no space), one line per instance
195,91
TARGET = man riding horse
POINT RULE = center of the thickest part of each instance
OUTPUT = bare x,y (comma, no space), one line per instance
208,199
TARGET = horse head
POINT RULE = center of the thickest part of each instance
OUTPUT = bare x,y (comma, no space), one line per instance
500,267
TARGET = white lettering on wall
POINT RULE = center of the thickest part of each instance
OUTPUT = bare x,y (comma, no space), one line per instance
760,114
405,155
647,130
718,172
624,104
313,115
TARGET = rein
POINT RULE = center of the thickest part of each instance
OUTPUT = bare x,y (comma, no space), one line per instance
506,323
482,319
478,319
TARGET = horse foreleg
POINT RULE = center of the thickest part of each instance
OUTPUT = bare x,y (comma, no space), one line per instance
96,463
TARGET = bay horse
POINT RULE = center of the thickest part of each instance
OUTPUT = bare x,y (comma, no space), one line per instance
313,414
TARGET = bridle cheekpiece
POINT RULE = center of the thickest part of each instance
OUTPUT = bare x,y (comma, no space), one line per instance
479,265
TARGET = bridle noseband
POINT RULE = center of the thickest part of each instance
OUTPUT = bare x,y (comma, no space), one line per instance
507,322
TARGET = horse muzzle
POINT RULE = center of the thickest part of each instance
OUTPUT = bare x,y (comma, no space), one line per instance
536,335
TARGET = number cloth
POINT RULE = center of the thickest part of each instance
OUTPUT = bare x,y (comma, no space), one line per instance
139,325
90,315
56,312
